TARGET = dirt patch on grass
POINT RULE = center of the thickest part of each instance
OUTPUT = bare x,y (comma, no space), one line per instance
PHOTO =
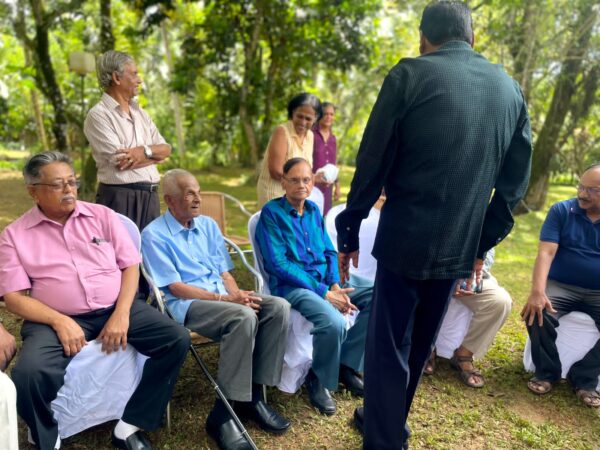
530,412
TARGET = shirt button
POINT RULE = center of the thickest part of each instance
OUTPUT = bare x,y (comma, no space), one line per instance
345,245
308,248
347,228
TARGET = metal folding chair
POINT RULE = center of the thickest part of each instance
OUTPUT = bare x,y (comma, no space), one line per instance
213,206
157,298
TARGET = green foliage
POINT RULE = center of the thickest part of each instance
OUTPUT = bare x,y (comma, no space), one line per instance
238,62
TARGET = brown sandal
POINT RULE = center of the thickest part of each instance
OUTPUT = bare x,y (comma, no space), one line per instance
539,387
466,374
589,398
430,364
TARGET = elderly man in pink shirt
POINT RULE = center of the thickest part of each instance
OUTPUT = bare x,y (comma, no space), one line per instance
70,269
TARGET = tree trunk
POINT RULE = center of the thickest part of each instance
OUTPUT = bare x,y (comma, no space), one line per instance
175,100
523,47
44,66
251,63
107,39
546,145
35,106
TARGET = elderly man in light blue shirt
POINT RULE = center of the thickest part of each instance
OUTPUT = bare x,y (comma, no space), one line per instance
186,255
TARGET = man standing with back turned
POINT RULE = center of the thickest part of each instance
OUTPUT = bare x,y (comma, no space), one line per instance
448,128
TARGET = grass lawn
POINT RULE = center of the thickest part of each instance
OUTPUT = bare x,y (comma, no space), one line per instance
446,414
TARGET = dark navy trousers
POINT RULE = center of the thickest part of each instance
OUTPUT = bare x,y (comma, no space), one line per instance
406,315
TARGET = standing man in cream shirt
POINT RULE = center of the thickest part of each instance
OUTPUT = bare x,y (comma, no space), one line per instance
126,144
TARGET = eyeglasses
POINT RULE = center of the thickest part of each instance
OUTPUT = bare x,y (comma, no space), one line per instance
60,185
296,181
589,190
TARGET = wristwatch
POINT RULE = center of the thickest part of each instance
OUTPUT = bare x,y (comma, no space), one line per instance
147,151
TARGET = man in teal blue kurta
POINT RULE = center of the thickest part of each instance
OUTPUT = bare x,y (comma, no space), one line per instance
447,130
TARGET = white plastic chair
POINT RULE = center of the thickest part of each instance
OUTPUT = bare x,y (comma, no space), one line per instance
575,336
98,386
317,196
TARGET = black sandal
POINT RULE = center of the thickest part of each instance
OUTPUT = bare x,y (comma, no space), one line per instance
466,374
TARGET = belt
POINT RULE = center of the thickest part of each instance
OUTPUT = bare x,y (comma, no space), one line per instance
148,187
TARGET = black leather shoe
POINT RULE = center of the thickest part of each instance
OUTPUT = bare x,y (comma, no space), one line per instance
318,395
359,423
359,419
136,441
226,433
352,381
265,416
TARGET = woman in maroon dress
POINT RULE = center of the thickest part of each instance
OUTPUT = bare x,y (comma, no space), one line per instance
325,152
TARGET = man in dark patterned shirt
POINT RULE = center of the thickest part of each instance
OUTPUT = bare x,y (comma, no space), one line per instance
447,130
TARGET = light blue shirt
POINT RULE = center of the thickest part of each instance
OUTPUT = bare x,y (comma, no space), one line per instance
196,256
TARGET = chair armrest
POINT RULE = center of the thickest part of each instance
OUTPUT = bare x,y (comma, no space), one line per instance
237,202
155,293
252,270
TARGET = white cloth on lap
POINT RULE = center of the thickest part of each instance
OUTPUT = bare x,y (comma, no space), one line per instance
97,388
8,414
454,328
575,336
298,351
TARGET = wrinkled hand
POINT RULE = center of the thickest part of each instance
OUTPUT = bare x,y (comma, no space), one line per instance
8,348
114,333
338,297
130,158
536,303
246,298
344,260
319,178
70,335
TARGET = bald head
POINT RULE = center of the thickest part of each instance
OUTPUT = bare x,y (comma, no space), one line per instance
172,181
182,195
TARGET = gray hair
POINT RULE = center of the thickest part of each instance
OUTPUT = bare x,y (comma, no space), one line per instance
170,182
31,171
108,63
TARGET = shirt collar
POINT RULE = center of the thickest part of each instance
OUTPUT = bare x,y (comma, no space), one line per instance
36,216
576,209
112,104
450,45
288,208
175,227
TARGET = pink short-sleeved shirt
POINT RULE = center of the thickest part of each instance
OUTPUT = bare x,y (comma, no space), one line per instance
73,268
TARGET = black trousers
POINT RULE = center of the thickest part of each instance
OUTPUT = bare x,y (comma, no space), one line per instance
406,315
40,370
565,298
140,206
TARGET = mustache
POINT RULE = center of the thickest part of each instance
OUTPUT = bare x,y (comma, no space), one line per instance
67,197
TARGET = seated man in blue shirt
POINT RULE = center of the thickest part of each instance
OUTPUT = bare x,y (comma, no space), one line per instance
566,278
186,255
302,266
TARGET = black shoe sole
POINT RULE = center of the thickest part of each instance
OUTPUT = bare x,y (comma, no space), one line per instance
327,412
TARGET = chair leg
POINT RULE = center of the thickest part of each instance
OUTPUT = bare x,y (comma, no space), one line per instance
169,416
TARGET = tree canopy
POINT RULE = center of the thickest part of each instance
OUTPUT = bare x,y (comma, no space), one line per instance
218,73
